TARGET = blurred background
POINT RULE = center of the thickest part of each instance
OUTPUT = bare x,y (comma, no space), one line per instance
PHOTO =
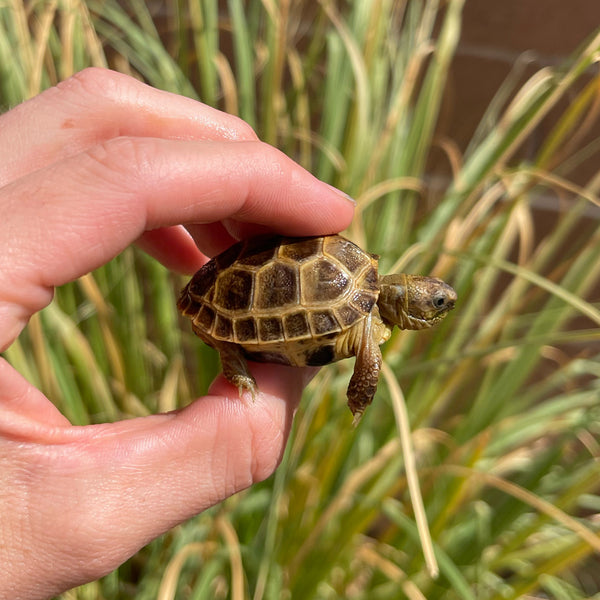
468,131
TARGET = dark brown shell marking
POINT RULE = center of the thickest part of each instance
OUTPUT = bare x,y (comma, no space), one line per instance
283,299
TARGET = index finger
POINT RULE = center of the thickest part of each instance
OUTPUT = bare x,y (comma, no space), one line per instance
96,105
64,221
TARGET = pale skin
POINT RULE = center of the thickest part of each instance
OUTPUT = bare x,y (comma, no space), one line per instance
86,169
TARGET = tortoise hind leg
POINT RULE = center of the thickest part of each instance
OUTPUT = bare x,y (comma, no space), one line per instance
235,369
363,383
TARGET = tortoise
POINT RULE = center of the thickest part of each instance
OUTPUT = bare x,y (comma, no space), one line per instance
306,302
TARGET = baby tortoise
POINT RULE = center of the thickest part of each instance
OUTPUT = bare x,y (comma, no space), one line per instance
307,301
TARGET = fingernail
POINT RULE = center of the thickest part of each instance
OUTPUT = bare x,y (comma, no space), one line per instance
340,193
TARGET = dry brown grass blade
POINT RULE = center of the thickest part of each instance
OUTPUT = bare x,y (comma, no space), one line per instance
235,557
168,584
412,478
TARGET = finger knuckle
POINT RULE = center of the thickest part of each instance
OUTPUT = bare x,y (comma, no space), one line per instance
96,81
121,154
243,131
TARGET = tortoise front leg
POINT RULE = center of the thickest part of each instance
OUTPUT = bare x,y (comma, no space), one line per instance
235,368
363,383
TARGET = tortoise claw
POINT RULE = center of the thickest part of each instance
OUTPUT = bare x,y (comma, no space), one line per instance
235,369
357,418
245,383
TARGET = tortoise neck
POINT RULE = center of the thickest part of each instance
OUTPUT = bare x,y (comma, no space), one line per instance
393,300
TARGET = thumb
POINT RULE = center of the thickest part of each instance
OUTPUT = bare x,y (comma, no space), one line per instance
92,496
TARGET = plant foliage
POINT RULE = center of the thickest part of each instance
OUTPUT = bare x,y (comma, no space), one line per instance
502,397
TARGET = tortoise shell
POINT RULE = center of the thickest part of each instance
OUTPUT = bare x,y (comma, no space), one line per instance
283,300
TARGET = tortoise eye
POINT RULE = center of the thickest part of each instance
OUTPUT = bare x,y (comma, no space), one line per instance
439,301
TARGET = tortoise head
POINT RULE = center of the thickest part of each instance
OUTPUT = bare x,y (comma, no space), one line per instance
414,301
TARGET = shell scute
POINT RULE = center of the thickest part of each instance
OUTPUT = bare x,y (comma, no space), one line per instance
301,250
371,280
270,329
234,290
276,286
347,315
323,322
296,325
227,258
223,327
345,252
363,301
322,281
204,318
257,252
203,281
244,330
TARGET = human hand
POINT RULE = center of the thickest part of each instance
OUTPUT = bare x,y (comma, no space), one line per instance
86,169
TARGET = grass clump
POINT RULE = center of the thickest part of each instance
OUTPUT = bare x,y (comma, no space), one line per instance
502,397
